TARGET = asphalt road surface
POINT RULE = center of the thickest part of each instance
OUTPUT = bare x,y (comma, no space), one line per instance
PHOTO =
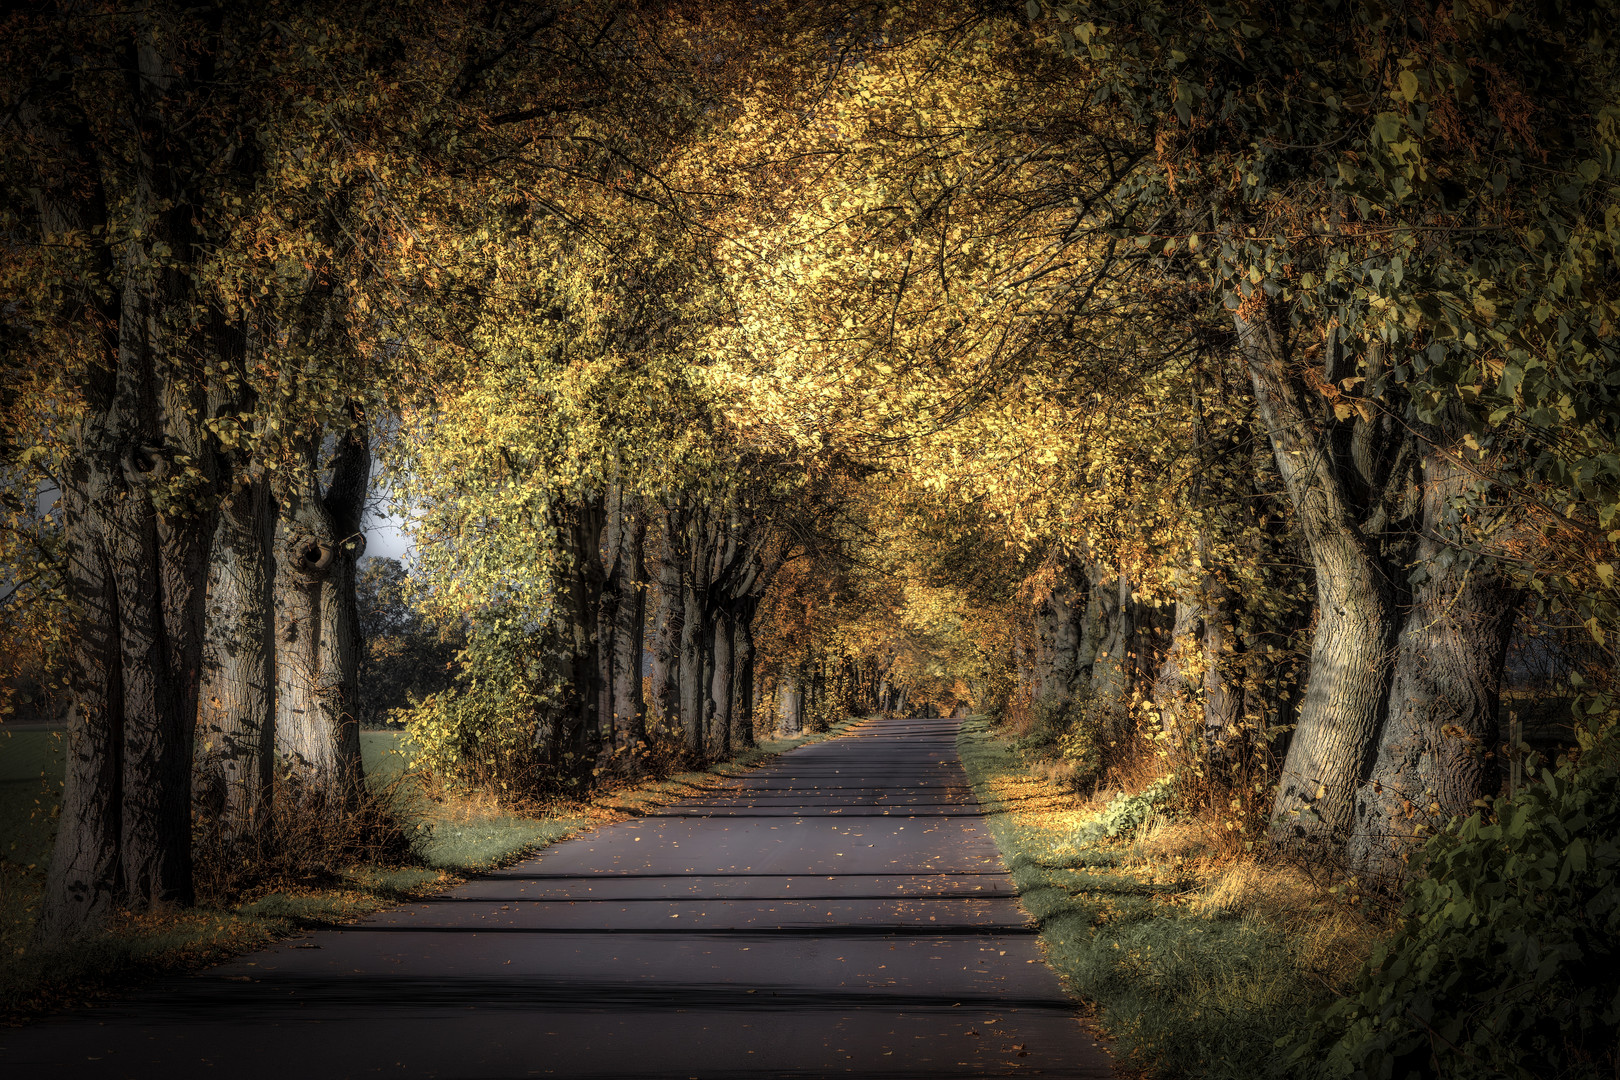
840,912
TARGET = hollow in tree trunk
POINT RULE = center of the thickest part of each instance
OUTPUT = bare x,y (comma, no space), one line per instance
318,626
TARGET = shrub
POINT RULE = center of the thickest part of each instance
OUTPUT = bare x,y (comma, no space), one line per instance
311,838
1083,737
1125,812
503,727
1508,959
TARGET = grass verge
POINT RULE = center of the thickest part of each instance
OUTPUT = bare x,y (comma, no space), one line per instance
1197,961
454,836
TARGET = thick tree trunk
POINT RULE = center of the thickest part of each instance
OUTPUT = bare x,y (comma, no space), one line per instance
743,661
1356,613
720,735
1344,698
790,705
1060,618
619,621
1096,622
236,720
629,700
318,628
693,663
1434,752
137,562
1223,682
1170,686
582,741
607,618
85,880
1113,669
668,618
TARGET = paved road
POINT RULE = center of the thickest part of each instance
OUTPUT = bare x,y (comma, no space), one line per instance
841,912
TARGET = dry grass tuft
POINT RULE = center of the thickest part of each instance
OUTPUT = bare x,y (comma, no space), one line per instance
310,839
1197,947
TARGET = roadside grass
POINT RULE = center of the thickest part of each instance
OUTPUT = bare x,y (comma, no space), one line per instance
454,835
1197,958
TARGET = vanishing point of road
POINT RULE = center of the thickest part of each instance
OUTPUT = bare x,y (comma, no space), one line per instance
839,912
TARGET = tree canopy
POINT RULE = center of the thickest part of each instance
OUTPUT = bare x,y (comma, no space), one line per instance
1231,383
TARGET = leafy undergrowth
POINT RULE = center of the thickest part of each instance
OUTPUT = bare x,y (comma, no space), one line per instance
452,836
1198,960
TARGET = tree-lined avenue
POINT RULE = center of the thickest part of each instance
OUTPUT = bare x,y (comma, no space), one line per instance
841,911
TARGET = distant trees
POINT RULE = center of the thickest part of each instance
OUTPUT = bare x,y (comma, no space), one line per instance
405,658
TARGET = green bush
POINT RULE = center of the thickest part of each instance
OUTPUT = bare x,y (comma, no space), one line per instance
1508,959
503,727
1125,812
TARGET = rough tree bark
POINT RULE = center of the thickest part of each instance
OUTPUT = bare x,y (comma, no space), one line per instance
138,530
318,625
1060,618
722,630
236,720
668,617
743,661
1170,685
619,621
1223,683
235,742
1113,670
317,629
790,704
1434,751
1337,489
694,640
580,738
629,639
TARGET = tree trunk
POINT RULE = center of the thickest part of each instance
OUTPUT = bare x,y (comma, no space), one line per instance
743,661
1223,686
582,741
1434,753
607,617
790,705
1356,613
1114,667
236,721
1096,624
629,704
668,618
1059,621
1170,685
720,735
1222,682
318,627
693,663
137,540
